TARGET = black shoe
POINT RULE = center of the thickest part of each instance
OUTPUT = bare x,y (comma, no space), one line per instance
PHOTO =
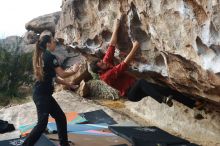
168,100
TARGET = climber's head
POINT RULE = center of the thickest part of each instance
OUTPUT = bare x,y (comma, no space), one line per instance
99,66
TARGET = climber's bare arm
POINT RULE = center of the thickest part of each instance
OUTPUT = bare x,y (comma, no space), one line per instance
114,37
132,52
64,74
68,85
59,80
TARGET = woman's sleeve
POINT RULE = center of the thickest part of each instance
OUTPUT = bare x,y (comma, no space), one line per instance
54,62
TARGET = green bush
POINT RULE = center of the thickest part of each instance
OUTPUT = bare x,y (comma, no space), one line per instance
15,71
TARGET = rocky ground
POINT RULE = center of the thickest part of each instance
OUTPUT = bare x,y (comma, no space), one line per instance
26,113
183,125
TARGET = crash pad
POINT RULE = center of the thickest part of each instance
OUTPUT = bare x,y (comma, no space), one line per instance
77,127
142,136
43,141
95,132
97,117
72,117
91,140
6,127
25,129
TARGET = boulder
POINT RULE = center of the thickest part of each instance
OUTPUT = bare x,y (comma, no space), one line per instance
180,119
30,37
192,38
83,89
45,32
179,48
45,22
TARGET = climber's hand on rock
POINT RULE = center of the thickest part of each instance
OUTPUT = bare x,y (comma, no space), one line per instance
136,44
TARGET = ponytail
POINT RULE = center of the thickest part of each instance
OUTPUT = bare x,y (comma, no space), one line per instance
38,62
41,46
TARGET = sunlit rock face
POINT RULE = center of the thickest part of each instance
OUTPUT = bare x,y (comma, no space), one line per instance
179,38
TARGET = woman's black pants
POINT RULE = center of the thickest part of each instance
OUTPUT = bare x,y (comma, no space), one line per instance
46,105
142,88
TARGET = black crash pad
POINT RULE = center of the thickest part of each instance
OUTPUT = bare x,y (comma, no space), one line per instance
142,142
43,141
150,136
6,127
97,117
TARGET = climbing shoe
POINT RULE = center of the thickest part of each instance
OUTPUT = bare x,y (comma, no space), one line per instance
168,100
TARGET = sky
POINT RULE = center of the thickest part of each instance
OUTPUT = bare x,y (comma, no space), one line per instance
15,13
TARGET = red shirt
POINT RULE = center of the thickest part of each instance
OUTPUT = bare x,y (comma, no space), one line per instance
116,77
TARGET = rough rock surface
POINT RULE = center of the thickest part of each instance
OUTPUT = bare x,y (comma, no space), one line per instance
192,37
180,119
61,54
46,22
30,37
179,48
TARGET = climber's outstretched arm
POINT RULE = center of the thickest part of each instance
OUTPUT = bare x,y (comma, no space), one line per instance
114,37
132,52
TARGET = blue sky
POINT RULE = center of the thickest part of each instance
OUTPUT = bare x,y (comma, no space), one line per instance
15,13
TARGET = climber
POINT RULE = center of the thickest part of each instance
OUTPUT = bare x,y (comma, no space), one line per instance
117,77
46,71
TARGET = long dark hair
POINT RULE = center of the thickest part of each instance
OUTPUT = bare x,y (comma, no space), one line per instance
94,67
41,46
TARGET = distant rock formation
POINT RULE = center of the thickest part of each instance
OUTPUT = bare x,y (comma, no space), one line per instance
46,22
17,44
11,43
